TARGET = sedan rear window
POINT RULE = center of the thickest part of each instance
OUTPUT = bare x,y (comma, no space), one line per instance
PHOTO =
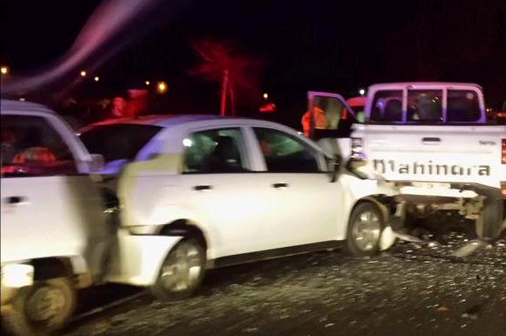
118,141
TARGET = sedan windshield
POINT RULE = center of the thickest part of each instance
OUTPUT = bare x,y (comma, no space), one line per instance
118,141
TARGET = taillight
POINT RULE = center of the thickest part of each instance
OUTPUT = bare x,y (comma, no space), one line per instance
503,150
357,150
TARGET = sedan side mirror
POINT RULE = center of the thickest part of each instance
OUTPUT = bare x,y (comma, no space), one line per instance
334,167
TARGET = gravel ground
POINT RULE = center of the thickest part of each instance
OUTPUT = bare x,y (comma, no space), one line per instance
413,289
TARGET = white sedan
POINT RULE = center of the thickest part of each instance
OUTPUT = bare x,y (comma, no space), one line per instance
203,191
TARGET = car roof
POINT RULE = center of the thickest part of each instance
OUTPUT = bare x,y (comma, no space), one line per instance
155,120
383,86
357,101
175,126
7,105
166,121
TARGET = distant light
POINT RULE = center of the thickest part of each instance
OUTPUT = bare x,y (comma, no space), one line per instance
22,99
147,83
187,143
97,79
4,70
162,87
83,73
266,96
362,92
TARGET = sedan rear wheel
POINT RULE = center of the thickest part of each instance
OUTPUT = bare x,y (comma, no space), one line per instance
364,230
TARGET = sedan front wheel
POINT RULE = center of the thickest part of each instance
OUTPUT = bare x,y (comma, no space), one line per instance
182,271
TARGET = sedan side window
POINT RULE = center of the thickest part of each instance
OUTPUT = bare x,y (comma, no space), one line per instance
32,147
215,151
285,154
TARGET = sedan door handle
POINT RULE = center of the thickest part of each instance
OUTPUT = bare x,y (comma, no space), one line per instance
431,139
280,185
202,187
15,200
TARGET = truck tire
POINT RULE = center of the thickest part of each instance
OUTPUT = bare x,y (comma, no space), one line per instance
41,309
181,272
364,230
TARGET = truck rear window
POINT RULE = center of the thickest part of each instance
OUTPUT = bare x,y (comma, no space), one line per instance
426,106
463,106
387,106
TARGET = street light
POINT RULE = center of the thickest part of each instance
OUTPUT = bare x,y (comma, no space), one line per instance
97,79
362,92
147,83
4,70
83,73
266,96
162,87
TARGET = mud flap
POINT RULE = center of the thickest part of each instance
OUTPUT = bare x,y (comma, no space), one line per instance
471,247
490,223
393,230
388,238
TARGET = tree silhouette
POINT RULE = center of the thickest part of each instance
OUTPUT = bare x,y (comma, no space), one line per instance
220,62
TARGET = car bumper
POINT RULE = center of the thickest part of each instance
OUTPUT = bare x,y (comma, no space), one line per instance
136,259
14,276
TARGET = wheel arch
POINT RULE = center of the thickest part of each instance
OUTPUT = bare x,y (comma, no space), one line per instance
52,267
382,202
186,228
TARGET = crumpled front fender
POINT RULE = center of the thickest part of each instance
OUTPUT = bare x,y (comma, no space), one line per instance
137,259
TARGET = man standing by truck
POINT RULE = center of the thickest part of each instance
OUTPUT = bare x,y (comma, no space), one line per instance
320,121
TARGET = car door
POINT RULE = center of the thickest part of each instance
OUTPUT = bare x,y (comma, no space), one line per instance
329,115
48,207
307,202
218,185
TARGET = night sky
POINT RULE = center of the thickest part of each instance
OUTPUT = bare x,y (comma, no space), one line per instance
331,45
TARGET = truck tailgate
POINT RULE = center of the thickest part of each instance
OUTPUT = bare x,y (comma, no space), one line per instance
435,153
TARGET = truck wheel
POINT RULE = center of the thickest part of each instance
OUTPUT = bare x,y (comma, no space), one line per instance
364,230
182,271
41,309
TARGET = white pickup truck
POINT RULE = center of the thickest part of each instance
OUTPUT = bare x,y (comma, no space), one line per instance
432,140
54,237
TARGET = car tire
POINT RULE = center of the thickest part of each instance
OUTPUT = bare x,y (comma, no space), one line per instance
181,272
364,230
41,309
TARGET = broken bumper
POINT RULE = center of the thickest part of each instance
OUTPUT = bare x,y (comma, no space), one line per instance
137,259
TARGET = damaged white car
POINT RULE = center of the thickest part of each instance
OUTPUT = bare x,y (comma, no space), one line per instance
197,192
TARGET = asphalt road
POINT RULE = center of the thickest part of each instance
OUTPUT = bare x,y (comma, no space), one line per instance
411,290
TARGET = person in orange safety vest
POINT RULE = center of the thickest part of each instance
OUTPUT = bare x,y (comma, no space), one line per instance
320,121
